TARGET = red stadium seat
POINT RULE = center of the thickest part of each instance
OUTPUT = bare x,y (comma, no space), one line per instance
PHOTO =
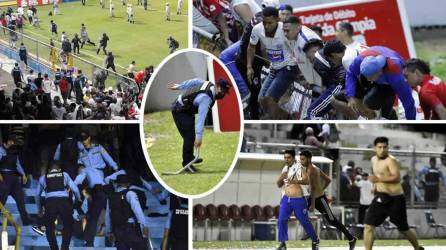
268,212
246,213
199,212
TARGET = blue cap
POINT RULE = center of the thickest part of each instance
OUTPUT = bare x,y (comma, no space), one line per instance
372,64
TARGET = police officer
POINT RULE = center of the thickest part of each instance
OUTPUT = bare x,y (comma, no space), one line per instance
67,153
127,217
96,200
17,75
198,97
178,231
94,155
11,172
57,185
432,176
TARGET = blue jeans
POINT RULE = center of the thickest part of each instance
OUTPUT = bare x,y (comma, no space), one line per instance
299,206
322,105
228,57
278,81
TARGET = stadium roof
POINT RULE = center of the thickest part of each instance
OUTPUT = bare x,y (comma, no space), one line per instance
278,157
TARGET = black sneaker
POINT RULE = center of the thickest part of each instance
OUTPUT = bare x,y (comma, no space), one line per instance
420,248
38,230
315,245
282,246
352,243
199,160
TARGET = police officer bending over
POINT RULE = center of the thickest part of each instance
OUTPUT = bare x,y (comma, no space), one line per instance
127,217
11,172
57,185
198,97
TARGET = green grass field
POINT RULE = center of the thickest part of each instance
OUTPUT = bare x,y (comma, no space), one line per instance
434,52
307,243
144,41
218,151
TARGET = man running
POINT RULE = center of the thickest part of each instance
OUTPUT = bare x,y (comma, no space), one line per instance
389,198
293,199
318,199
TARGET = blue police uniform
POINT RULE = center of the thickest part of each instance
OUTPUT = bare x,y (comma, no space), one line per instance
57,204
198,99
128,234
11,169
96,157
95,179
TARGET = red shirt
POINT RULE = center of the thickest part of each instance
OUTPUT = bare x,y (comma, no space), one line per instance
432,93
63,85
212,8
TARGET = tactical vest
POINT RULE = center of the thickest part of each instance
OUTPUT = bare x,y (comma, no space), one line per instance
179,222
120,210
9,161
54,181
432,177
189,96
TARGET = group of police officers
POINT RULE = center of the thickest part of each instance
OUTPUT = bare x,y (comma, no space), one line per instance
84,170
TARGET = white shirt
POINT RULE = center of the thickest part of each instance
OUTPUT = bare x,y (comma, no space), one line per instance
352,51
253,6
305,66
46,86
366,195
279,54
30,13
296,171
58,112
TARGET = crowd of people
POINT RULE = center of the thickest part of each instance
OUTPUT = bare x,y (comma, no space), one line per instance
285,70
81,180
71,96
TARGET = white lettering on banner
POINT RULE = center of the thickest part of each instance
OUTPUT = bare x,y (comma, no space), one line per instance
360,26
328,16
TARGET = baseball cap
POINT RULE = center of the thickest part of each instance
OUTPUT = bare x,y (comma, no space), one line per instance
270,3
372,64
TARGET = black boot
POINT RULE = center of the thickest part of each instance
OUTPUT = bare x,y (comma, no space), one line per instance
282,246
352,243
315,245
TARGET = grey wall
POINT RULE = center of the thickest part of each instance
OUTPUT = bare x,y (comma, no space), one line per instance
182,67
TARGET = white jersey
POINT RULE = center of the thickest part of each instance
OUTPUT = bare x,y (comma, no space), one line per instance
366,195
253,6
305,66
352,51
295,172
279,54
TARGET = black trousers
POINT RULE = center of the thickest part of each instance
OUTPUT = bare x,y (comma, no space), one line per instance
11,185
361,213
321,204
185,123
381,97
54,208
103,49
95,206
112,66
128,236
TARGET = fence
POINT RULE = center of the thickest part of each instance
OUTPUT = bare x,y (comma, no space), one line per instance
410,161
44,58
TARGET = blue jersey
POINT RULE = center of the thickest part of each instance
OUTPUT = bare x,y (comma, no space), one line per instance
392,75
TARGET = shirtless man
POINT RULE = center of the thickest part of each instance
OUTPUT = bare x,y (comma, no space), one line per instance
293,199
319,181
389,199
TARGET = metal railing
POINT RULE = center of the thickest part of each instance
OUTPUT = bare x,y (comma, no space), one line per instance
42,57
409,160
7,217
